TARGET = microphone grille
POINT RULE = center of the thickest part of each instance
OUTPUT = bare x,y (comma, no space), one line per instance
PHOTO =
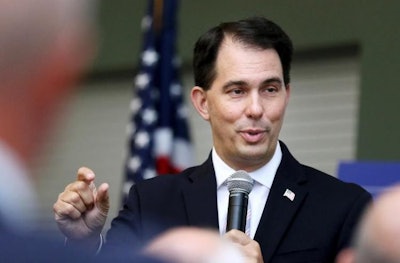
240,181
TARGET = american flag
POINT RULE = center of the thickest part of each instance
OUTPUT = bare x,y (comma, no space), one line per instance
159,140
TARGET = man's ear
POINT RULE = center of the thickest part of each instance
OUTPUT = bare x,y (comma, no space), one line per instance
199,100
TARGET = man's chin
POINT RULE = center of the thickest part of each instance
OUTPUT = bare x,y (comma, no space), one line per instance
256,158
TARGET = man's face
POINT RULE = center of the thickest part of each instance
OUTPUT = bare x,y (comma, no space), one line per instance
245,104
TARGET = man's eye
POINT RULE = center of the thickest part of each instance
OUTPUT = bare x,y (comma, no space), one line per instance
237,91
271,89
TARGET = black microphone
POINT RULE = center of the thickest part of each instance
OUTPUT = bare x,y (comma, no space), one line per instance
239,185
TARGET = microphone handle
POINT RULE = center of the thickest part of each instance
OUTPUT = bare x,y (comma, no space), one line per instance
237,211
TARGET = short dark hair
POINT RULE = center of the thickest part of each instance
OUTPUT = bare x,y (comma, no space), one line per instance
255,31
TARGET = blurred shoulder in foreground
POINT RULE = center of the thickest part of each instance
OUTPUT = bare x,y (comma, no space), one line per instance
377,239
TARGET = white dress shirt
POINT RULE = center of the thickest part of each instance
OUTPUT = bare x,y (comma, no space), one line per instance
263,179
18,200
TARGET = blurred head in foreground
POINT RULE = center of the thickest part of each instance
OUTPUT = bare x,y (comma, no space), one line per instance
45,46
194,245
378,237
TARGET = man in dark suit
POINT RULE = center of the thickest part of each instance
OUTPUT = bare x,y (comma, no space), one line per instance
298,214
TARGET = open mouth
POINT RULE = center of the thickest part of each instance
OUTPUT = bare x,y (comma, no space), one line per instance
253,136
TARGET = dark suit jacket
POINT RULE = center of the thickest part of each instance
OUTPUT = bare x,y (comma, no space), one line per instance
313,227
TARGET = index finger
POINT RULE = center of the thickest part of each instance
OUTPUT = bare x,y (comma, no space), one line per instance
86,175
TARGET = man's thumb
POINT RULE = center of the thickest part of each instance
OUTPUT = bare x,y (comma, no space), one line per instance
102,199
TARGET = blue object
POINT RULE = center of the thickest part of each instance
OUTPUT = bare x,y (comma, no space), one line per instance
372,176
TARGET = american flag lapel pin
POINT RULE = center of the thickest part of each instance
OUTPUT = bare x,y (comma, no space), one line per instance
289,194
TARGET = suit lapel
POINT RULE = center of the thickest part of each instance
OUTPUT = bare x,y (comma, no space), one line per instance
280,210
200,196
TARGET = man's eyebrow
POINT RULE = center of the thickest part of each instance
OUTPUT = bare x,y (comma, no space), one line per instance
234,83
272,80
244,83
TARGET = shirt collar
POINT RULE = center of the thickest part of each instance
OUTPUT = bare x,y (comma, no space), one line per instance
264,175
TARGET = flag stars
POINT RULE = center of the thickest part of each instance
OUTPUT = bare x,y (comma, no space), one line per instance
149,57
130,128
142,80
149,173
149,116
175,90
135,104
146,22
134,163
182,111
152,90
127,186
142,139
